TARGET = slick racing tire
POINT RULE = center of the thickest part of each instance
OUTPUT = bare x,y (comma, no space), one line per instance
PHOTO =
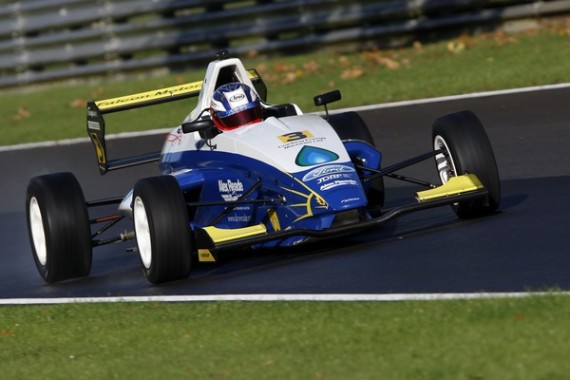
58,227
467,149
162,229
350,126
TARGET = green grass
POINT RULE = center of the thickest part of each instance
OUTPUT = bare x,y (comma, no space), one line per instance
478,339
464,65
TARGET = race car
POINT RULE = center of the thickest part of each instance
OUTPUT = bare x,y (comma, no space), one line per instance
283,180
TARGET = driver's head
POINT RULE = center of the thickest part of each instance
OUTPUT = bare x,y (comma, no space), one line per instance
234,105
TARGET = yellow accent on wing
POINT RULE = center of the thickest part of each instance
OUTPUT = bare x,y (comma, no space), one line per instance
186,89
205,256
455,186
98,149
222,235
150,96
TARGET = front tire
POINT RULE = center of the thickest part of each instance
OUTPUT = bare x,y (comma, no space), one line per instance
162,229
467,149
58,227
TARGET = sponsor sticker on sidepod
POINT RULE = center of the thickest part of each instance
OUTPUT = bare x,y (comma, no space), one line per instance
327,170
230,190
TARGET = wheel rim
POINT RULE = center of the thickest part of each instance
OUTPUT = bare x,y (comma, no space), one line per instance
142,230
445,165
38,232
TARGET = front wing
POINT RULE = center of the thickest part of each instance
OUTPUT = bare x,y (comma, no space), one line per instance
459,189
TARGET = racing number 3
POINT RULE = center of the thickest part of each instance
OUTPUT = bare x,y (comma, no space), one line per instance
295,136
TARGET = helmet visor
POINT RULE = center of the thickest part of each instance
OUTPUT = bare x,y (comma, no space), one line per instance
241,118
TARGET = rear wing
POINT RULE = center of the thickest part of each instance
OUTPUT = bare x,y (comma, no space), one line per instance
96,123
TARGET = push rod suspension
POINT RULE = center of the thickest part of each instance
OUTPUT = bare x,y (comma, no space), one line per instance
113,219
400,165
411,180
104,202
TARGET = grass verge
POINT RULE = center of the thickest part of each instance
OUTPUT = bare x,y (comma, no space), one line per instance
467,64
526,338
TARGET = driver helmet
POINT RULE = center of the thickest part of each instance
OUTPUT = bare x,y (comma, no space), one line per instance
234,105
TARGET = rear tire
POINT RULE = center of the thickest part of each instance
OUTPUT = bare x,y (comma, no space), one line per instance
162,229
467,149
350,126
58,227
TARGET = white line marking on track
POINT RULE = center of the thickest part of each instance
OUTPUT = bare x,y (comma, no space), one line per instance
282,297
461,97
362,108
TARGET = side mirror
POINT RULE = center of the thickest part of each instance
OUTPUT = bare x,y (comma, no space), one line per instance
197,125
326,98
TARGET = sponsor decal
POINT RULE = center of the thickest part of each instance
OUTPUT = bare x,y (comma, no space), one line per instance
331,177
93,125
299,138
237,97
310,156
295,136
91,113
230,190
337,183
326,170
242,217
239,218
174,138
150,95
348,200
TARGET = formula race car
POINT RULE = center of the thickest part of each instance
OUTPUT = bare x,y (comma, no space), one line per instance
241,173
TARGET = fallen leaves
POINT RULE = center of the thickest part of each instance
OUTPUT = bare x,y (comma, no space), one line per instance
78,103
455,47
465,42
370,63
344,67
82,103
352,73
22,113
377,57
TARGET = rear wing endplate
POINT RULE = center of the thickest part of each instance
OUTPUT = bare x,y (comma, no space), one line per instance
96,123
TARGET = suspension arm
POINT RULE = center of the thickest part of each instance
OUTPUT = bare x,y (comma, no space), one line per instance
400,165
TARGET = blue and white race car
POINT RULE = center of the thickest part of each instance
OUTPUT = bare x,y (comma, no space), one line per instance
242,173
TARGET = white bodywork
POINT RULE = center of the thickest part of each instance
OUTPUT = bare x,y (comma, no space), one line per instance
267,141
273,141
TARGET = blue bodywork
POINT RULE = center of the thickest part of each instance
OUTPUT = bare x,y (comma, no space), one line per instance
308,199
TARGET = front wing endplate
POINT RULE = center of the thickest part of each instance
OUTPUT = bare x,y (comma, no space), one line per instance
455,186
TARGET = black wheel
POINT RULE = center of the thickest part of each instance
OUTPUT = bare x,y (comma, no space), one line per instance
162,229
58,227
467,149
350,126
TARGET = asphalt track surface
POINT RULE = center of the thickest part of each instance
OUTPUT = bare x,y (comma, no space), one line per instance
525,246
